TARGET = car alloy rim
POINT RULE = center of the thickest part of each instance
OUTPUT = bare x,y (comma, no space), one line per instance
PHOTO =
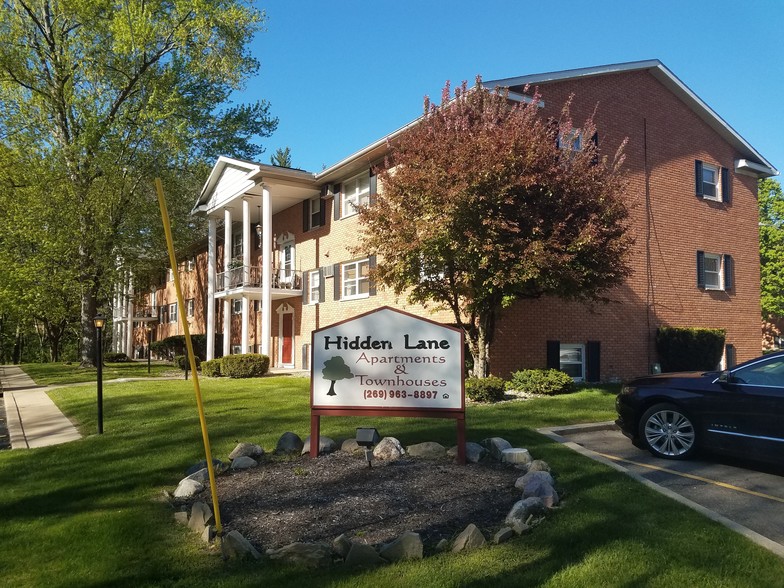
669,433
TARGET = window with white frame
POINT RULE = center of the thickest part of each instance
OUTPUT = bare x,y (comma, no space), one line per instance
356,192
236,245
190,264
713,182
314,287
236,306
314,208
169,275
173,313
190,305
572,140
355,279
236,349
572,360
710,182
714,271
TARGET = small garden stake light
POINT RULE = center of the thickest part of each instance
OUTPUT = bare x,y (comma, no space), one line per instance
99,322
367,437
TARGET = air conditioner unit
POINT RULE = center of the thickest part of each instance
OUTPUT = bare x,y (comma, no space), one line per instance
328,271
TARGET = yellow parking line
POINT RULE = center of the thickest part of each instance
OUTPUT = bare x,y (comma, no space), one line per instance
693,477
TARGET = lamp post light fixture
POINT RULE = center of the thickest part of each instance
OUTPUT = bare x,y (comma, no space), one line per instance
259,228
148,328
367,437
99,322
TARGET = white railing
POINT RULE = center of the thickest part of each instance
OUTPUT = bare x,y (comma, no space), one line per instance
250,276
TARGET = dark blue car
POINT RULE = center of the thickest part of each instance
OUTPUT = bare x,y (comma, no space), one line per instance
738,411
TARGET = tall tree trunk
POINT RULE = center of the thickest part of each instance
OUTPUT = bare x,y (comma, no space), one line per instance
89,309
17,355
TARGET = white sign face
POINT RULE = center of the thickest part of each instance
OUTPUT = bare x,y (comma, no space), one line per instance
387,359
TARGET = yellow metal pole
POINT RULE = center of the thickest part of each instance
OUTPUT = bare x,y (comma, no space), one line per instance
191,356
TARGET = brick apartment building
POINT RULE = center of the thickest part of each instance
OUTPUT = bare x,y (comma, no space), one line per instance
280,239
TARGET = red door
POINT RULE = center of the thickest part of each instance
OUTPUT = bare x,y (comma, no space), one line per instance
287,348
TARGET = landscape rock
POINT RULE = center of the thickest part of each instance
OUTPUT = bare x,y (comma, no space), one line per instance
522,509
362,555
470,538
188,488
538,465
310,555
504,534
350,446
341,545
427,450
475,452
516,455
520,527
539,488
201,516
202,477
236,546
247,450
243,463
534,476
289,443
442,545
326,445
407,546
496,446
208,535
217,465
389,449
181,517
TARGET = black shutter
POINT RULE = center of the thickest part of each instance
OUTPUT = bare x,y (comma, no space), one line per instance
728,272
729,356
372,265
726,186
373,187
336,202
553,355
305,297
322,213
336,277
592,362
321,284
700,269
595,141
698,177
305,215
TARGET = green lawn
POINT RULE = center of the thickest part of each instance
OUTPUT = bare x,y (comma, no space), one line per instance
85,513
50,374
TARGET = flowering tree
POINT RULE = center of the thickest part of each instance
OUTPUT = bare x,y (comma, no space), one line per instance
485,201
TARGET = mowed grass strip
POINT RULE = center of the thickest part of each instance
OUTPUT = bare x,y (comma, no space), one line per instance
53,374
85,514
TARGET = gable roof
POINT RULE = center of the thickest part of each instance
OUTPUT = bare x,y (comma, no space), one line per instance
751,160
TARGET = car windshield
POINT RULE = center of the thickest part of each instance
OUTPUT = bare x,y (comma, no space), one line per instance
762,373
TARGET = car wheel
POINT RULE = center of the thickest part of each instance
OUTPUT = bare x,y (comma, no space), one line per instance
668,432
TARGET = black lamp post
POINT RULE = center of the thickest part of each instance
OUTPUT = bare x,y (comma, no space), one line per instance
99,321
148,328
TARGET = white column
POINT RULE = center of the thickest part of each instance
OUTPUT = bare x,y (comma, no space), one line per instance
129,306
227,275
245,271
211,248
266,271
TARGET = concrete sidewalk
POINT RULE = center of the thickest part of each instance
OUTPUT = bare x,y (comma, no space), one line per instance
33,419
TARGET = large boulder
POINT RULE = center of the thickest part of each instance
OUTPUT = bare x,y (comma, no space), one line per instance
350,446
310,555
473,451
247,450
362,555
202,476
389,449
470,538
516,455
289,443
217,465
538,465
236,546
243,462
521,511
536,476
326,445
188,488
341,545
201,516
407,546
496,446
427,450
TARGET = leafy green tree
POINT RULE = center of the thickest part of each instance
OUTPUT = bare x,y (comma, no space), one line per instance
102,96
771,206
281,157
480,207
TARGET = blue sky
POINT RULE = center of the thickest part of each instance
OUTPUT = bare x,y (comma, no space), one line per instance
342,74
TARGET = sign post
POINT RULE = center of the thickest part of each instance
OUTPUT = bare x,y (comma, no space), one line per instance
388,363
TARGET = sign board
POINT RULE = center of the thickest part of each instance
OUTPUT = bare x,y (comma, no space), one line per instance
388,359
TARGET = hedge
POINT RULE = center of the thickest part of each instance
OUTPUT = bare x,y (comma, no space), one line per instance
489,389
549,382
181,361
245,365
211,368
684,349
112,357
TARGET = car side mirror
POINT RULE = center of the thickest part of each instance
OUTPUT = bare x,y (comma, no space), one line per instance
724,376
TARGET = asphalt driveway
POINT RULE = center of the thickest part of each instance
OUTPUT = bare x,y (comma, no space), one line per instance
744,495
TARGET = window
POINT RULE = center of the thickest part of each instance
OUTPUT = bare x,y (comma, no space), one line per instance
356,192
173,313
572,140
712,181
190,305
761,373
190,265
314,212
236,306
354,279
236,349
236,245
169,275
314,287
164,312
572,361
714,271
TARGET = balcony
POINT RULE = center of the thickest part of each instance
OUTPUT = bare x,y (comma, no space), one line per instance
145,313
246,279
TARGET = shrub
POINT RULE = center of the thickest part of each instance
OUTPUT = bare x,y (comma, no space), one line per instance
211,368
112,357
181,361
489,389
547,382
246,365
685,349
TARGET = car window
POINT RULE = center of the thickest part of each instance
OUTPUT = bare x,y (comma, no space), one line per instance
763,373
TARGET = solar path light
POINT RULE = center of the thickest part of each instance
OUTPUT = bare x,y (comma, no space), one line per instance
367,437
